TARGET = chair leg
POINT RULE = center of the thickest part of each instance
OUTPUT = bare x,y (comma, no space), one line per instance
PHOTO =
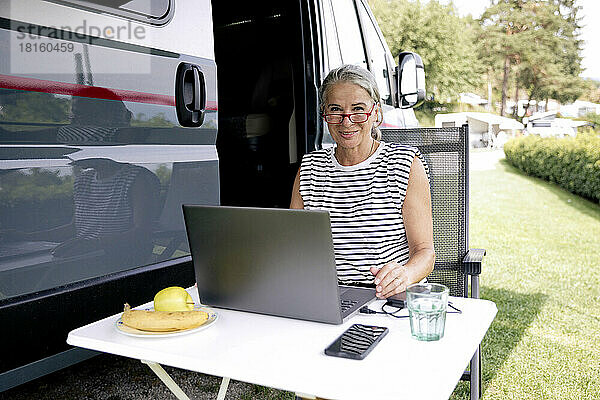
476,360
476,375
475,286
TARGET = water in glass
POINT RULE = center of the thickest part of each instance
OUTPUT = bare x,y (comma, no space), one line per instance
427,318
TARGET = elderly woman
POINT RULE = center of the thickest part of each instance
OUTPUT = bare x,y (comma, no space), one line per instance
377,193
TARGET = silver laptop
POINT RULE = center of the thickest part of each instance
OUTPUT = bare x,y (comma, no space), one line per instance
269,261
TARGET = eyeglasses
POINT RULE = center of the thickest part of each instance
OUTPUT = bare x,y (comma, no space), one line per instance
355,118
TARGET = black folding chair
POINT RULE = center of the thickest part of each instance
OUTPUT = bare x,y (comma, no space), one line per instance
446,151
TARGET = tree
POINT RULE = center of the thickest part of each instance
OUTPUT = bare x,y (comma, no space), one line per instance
504,25
34,107
445,41
538,42
592,91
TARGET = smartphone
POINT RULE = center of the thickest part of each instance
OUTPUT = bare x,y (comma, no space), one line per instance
397,300
357,341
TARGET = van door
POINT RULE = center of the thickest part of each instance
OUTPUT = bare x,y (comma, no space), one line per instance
263,54
351,36
108,123
382,65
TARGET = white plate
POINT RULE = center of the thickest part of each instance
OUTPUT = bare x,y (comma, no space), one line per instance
129,331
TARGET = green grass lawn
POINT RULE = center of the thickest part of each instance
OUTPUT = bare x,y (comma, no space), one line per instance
542,270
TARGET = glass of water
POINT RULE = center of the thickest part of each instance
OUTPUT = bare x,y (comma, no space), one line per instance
427,303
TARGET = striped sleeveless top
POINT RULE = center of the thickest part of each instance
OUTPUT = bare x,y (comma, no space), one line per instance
85,134
365,206
104,206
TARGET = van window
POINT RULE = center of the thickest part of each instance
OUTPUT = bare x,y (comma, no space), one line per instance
332,45
351,44
153,11
377,54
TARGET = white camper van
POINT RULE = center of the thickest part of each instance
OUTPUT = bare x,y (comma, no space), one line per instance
115,112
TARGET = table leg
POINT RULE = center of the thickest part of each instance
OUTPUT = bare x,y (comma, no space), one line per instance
167,380
305,396
223,388
173,387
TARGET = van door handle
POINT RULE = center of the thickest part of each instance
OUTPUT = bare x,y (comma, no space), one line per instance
190,95
197,89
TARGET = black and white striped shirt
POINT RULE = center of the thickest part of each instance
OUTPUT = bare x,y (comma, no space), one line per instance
104,206
85,134
365,206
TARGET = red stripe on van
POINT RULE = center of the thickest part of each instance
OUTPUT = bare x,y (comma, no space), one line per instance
96,92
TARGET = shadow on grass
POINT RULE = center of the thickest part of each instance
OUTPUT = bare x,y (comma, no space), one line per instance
581,204
516,312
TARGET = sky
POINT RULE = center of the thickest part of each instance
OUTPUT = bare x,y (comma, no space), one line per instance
590,33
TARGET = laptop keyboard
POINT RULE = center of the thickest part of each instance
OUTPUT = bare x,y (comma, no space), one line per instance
351,298
347,304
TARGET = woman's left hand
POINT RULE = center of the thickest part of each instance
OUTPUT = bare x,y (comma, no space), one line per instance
391,279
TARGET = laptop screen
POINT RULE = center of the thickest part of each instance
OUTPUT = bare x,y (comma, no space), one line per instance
270,261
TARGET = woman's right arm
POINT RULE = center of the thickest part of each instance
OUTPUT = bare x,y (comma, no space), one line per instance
297,201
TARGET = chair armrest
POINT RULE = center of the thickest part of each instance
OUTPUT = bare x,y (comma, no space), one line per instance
472,261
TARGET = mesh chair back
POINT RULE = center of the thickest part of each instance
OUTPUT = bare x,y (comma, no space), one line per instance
446,152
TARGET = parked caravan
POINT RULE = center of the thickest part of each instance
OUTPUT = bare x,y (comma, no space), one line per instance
115,112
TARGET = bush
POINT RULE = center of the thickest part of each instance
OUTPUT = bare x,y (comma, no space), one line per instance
594,119
35,199
573,163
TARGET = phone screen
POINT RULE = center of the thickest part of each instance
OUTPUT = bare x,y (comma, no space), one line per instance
357,341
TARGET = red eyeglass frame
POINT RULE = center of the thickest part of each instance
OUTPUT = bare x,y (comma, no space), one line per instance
368,114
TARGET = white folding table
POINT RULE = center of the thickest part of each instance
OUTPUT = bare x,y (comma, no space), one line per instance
287,354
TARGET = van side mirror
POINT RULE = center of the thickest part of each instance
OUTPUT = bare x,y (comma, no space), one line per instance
410,75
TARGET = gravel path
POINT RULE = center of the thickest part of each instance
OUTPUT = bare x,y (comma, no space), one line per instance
481,160
109,377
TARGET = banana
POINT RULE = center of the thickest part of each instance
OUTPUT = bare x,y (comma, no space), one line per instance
162,321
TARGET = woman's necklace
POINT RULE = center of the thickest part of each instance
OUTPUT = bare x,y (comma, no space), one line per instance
368,155
372,145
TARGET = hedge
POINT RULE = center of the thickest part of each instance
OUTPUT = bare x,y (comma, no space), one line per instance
571,162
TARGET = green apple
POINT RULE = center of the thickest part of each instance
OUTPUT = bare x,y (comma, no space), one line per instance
173,298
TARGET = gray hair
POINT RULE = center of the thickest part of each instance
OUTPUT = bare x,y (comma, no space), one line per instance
352,74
